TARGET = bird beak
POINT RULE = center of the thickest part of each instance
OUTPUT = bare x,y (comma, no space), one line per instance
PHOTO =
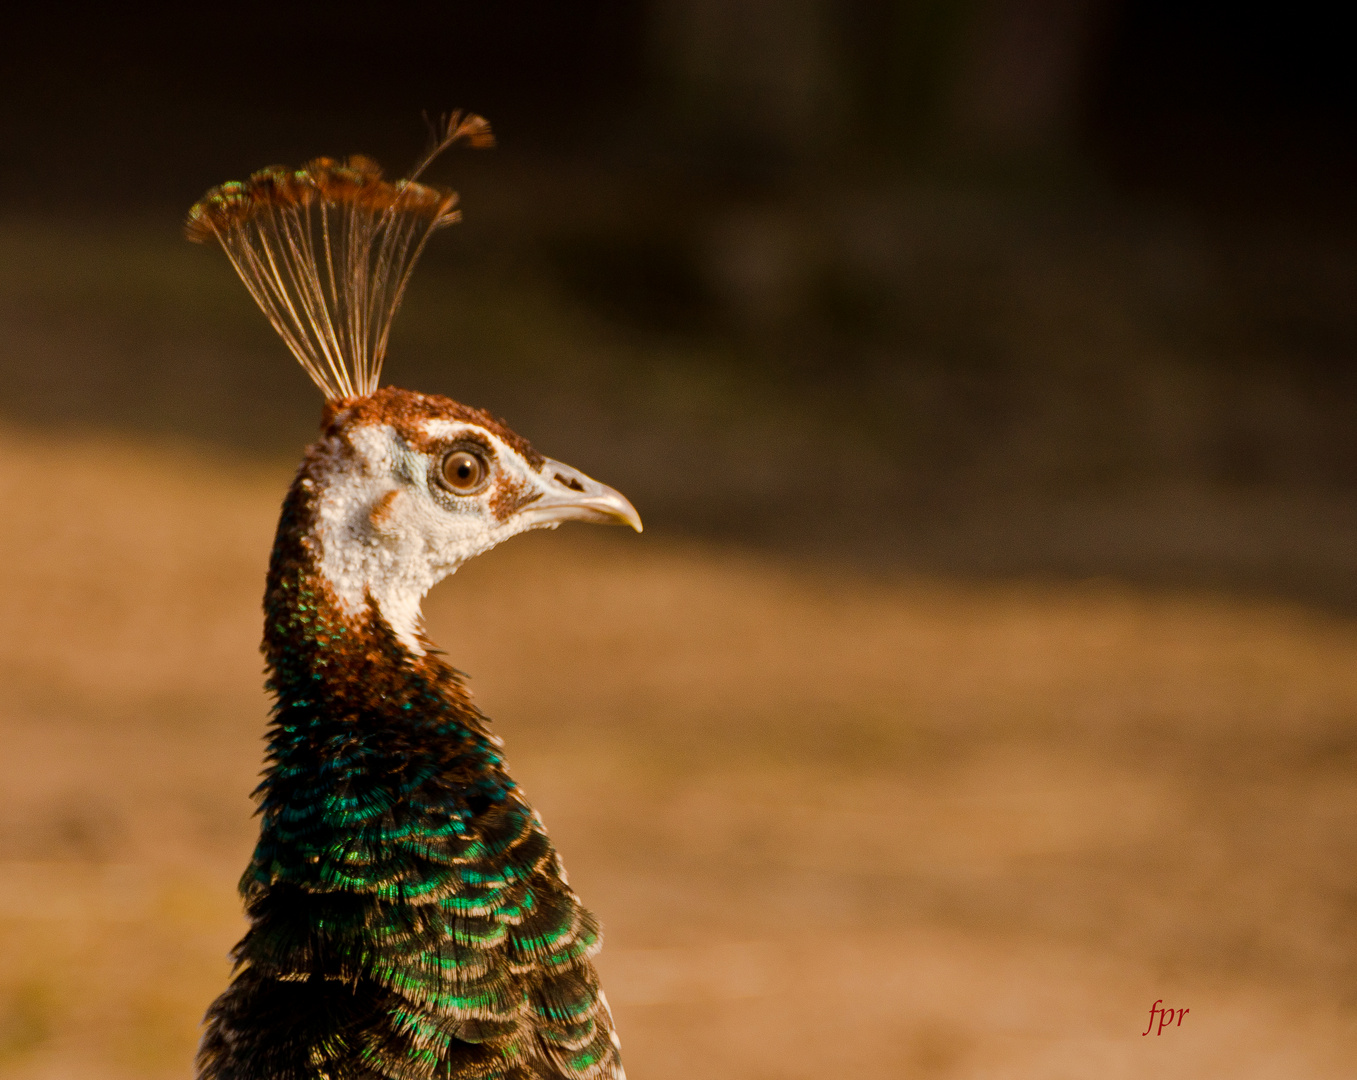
569,495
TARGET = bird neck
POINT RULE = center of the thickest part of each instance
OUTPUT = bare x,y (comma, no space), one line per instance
351,674
364,732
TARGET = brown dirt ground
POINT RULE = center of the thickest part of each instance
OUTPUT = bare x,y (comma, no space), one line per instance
835,825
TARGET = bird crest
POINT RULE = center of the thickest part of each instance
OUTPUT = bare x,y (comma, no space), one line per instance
327,251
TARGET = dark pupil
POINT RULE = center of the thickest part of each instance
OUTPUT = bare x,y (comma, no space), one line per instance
462,470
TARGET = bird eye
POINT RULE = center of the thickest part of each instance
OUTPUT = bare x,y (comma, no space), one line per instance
464,471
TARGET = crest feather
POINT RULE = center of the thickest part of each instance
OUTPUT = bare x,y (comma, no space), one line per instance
326,251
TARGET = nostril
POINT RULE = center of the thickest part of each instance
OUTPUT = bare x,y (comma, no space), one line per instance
570,482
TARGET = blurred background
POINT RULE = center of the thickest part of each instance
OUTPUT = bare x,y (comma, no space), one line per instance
983,370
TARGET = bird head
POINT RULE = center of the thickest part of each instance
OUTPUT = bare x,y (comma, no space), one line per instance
402,488
407,487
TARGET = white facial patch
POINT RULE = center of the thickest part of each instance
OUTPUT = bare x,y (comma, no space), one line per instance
385,535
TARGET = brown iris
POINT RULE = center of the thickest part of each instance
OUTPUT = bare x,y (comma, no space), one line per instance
464,471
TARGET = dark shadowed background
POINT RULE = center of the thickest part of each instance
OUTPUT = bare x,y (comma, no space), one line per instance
992,359
1054,286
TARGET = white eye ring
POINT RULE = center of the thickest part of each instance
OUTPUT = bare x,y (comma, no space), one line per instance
464,471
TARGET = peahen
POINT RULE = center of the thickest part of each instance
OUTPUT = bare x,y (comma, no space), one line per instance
408,916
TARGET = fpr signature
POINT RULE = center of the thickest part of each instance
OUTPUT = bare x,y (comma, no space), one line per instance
1165,1017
